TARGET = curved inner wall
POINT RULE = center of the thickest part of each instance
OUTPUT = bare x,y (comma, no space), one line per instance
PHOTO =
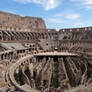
36,72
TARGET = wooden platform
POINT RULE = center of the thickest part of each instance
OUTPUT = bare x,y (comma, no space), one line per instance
56,54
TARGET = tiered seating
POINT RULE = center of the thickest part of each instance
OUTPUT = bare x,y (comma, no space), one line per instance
11,46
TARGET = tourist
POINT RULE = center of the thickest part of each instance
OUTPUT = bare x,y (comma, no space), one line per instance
58,89
51,89
42,90
10,90
54,89
47,89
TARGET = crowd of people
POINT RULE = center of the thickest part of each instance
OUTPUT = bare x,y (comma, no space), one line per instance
52,90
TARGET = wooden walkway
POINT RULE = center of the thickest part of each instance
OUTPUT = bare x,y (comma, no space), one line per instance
56,54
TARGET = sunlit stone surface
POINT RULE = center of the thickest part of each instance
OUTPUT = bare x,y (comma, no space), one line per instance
33,57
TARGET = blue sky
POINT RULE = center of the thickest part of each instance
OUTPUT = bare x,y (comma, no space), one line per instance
56,13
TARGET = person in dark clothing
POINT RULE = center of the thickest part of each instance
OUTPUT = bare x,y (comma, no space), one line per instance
9,90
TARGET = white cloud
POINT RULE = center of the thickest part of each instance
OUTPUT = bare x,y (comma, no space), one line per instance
85,3
68,15
46,4
73,16
55,20
88,2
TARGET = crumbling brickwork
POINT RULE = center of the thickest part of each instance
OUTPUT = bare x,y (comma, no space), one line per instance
11,21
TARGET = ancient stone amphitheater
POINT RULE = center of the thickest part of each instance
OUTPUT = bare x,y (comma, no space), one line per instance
34,57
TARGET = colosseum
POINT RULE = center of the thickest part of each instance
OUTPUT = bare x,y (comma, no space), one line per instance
35,59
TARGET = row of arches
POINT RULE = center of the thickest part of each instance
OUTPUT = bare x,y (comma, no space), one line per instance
14,35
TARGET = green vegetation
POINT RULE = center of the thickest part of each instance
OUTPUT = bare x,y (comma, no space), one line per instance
54,79
38,83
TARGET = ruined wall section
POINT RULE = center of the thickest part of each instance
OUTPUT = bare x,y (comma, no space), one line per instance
78,39
76,34
9,21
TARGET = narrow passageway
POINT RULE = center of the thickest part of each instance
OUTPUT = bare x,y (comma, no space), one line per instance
54,78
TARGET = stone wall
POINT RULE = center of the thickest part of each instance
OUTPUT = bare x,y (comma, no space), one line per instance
12,21
77,39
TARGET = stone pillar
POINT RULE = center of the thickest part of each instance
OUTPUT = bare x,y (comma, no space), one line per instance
31,67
